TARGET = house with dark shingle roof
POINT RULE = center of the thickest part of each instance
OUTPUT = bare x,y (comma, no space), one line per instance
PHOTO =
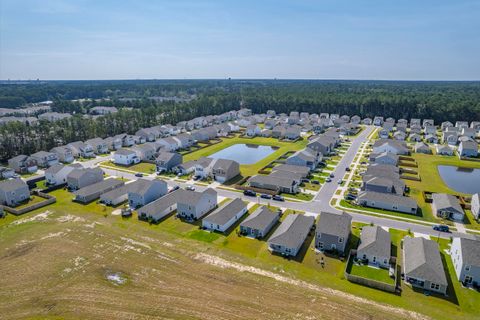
45,159
422,265
384,158
259,223
95,190
387,201
82,177
465,254
421,147
166,161
289,237
143,191
305,157
13,192
375,246
64,154
193,205
333,231
162,207
23,164
224,217
468,149
393,146
447,206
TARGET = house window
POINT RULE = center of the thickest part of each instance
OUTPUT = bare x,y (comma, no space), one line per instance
434,286
467,268
340,240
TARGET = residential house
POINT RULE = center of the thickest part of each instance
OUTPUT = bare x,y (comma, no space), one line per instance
102,110
279,131
383,134
99,145
322,145
45,159
387,201
430,130
355,119
292,132
367,121
430,138
421,147
428,123
57,174
277,183
468,149
6,173
171,144
13,192
64,154
80,178
306,157
166,161
289,237
298,171
116,196
149,134
224,217
375,246
461,124
23,164
422,265
415,129
197,204
384,158
393,146
445,125
143,191
54,116
157,210
145,151
113,143
259,223
333,231
444,150
125,157
377,121
401,127
81,149
447,206
224,170
450,137
127,140
252,130
465,254
94,191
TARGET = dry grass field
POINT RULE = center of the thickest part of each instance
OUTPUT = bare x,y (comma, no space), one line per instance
61,262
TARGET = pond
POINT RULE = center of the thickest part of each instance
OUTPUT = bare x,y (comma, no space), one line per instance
244,153
465,180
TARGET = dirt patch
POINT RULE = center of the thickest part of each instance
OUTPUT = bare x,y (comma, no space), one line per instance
19,251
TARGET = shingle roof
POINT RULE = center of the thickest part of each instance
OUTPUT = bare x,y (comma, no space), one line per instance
388,198
12,184
334,224
143,185
98,187
293,230
375,241
55,168
446,201
193,197
260,219
225,213
423,260
470,251
124,152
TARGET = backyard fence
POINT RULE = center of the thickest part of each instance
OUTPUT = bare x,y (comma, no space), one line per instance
48,200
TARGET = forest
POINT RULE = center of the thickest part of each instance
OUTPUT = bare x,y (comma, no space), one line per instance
440,101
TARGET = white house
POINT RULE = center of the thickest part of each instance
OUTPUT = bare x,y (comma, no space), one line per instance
125,157
223,218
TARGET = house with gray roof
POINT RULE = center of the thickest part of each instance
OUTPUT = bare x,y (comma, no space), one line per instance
447,206
289,237
301,171
95,190
23,164
82,177
142,192
384,158
450,137
113,143
157,210
444,150
13,192
115,196
465,254
252,130
468,149
45,159
149,134
431,138
224,217
375,246
421,147
125,157
81,149
387,201
322,144
306,158
145,151
195,205
99,145
392,146
475,205
333,231
422,265
292,132
64,154
166,161
57,174
277,183
224,170
6,173
259,223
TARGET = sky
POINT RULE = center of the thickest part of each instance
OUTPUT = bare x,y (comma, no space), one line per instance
283,39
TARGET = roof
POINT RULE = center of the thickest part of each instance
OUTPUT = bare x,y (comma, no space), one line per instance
334,224
388,198
118,192
141,186
469,145
446,201
124,152
272,180
423,260
375,241
162,203
260,218
12,185
77,173
225,213
166,156
55,168
42,154
470,251
193,197
293,231
224,164
292,168
98,187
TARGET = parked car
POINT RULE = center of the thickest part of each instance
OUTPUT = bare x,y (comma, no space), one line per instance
332,175
315,182
305,180
348,169
138,174
250,193
195,178
350,197
278,198
190,188
363,162
174,188
340,181
265,196
328,180
441,228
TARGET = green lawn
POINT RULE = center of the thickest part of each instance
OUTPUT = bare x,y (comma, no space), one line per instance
367,272
142,167
298,196
249,170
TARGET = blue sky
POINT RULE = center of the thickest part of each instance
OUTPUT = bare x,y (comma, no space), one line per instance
387,39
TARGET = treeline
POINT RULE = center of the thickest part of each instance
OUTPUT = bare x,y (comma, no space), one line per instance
440,101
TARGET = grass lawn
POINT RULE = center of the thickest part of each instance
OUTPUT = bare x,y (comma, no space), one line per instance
312,186
33,199
249,170
298,196
367,272
142,167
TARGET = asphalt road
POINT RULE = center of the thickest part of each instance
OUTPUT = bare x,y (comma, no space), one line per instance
321,201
